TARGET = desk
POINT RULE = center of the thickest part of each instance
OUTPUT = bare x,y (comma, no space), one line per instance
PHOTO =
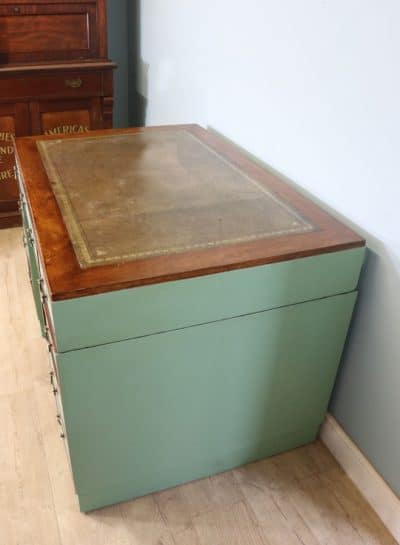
195,305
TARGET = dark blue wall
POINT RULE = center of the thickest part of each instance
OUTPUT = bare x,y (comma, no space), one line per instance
117,11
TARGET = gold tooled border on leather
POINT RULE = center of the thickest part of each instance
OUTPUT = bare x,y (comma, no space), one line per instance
77,235
74,230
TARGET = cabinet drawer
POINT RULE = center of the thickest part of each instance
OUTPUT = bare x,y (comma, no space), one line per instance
66,84
48,31
69,116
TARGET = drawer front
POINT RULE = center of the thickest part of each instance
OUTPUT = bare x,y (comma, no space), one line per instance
55,385
34,278
47,31
69,116
26,219
54,375
33,259
48,326
67,84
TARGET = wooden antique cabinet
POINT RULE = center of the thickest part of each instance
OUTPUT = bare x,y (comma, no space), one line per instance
195,305
55,78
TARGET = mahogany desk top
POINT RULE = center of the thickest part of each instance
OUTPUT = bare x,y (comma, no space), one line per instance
123,208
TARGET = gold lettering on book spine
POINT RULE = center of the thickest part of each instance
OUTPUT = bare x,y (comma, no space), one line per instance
6,157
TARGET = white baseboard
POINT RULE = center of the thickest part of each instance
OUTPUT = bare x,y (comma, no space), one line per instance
371,485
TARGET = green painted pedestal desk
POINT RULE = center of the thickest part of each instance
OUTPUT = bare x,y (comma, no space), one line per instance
195,306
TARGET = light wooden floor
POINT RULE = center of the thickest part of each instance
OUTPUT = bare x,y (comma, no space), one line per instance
298,498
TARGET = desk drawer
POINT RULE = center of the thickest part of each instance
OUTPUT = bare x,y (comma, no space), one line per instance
48,321
55,385
36,275
54,375
33,261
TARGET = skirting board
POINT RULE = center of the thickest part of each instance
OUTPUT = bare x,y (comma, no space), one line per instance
371,485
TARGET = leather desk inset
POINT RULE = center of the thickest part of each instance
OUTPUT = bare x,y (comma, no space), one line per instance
129,196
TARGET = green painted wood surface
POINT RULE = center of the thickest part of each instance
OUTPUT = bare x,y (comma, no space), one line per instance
125,314
34,275
32,266
152,412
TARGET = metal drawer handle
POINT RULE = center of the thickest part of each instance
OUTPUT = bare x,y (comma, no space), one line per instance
74,83
53,383
29,236
59,420
41,290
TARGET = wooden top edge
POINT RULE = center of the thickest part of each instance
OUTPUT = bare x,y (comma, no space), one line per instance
63,296
67,280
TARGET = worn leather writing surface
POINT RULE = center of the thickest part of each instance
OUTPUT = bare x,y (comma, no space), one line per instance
130,196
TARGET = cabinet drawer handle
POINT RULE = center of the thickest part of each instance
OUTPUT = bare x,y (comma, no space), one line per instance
41,290
29,236
59,420
53,383
74,83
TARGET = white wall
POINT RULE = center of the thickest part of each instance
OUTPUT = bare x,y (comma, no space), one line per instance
313,89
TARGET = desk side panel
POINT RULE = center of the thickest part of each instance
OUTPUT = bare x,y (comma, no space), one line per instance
150,413
126,314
